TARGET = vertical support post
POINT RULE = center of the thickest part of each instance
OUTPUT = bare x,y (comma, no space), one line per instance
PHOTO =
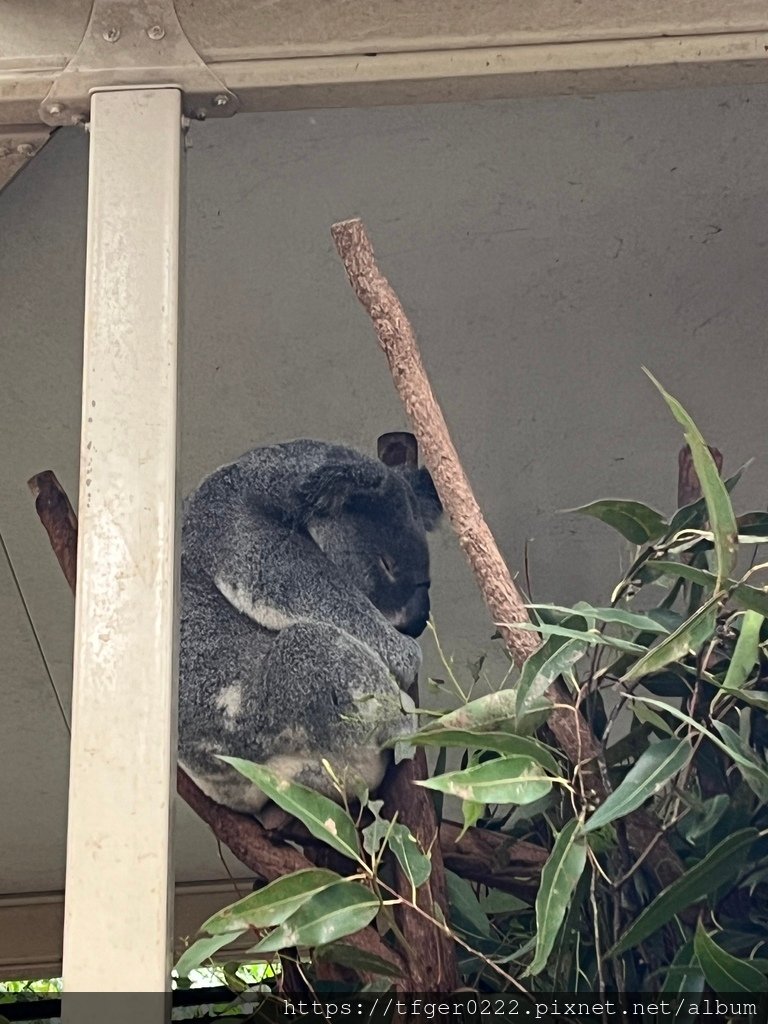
118,900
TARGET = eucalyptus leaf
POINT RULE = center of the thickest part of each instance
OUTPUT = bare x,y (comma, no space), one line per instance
590,636
684,976
359,959
741,759
747,596
754,772
726,973
471,813
713,490
745,653
415,863
559,878
202,950
331,914
687,639
501,742
324,819
722,862
505,780
466,911
632,619
555,656
272,904
657,765
698,824
638,523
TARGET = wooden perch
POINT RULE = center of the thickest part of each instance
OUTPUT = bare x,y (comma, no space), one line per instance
396,337
502,597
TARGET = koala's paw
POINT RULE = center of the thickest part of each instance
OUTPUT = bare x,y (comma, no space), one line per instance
405,660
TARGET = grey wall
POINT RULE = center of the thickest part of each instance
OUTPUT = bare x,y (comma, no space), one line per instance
545,249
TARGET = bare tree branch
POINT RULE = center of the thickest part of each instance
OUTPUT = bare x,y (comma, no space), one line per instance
505,604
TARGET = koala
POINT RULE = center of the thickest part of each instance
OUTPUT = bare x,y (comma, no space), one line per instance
304,582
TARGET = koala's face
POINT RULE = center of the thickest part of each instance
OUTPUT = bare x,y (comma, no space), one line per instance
379,541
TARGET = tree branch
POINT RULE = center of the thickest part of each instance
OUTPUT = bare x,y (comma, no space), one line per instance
505,604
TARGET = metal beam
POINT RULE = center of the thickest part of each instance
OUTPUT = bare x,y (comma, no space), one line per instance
297,55
122,764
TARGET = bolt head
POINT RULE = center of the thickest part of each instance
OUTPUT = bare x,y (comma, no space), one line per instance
156,32
221,100
54,109
25,149
111,34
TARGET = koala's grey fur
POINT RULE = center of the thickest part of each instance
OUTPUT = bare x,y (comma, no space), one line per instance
304,566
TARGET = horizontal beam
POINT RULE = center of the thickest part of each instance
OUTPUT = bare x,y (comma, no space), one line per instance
31,925
440,73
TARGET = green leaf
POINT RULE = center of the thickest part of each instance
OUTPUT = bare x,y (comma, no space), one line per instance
722,862
272,904
498,902
638,523
202,950
501,742
559,878
657,765
466,912
543,666
505,780
631,619
645,714
696,825
358,959
589,636
726,973
745,652
412,859
687,639
749,597
753,771
713,490
340,910
471,812
324,819
744,761
684,976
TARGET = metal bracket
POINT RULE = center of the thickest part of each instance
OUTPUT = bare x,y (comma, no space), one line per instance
134,44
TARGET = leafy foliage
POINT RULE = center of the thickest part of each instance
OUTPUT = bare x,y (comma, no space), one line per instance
672,673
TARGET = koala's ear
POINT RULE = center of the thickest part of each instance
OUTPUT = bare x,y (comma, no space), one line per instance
398,448
330,488
429,503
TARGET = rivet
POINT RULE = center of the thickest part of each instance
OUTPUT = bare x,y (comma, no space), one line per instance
111,34
156,32
201,113
54,109
221,100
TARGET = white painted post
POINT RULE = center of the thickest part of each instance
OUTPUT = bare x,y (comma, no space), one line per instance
118,898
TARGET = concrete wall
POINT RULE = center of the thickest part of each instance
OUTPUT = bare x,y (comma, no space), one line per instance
545,249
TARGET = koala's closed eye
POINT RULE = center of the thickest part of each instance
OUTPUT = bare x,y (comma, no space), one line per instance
388,567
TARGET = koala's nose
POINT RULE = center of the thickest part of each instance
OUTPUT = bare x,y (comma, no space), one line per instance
416,613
